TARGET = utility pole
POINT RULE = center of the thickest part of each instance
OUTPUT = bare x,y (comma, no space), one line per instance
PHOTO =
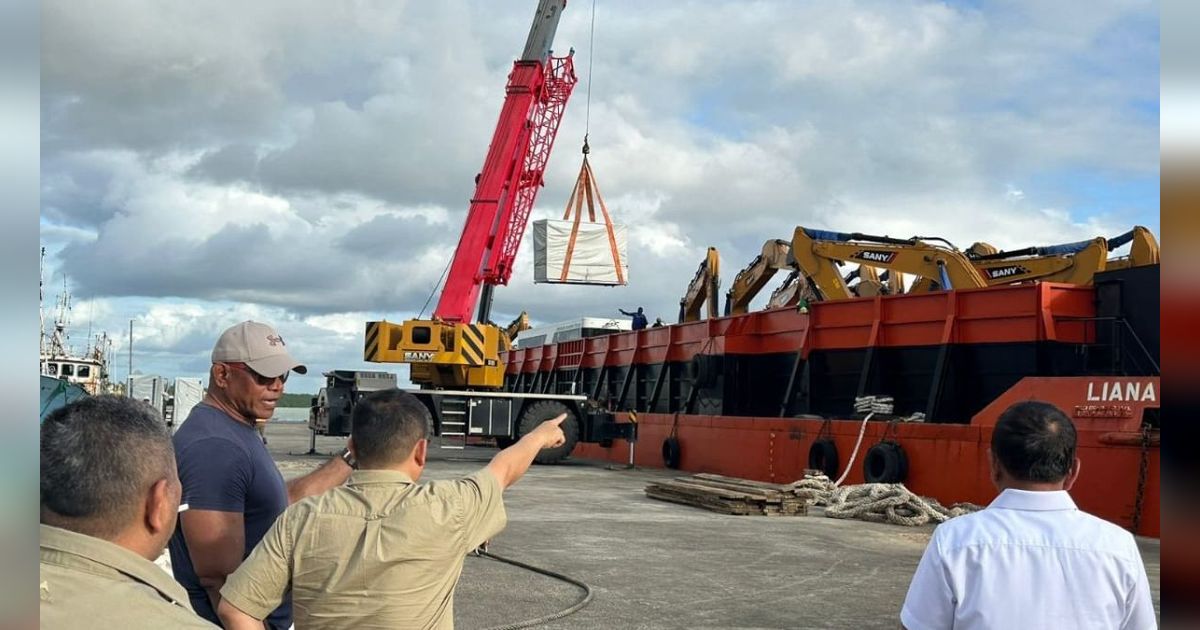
128,380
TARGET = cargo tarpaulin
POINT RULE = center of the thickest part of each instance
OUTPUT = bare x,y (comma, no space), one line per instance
591,255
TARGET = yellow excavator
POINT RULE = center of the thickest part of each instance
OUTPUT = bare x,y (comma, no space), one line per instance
750,281
790,292
1143,251
702,289
1069,263
817,254
872,283
519,324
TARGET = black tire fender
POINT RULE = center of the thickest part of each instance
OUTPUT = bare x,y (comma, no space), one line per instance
885,463
823,456
704,370
671,453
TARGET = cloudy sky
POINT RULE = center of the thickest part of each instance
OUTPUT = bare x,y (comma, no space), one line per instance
309,163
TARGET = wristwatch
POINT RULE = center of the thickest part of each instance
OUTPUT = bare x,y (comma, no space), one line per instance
348,457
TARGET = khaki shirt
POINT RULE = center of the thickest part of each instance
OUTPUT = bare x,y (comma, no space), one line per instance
380,551
87,582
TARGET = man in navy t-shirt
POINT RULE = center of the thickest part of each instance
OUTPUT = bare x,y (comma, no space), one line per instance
231,485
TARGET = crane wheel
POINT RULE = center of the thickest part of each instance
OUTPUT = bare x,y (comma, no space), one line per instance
885,463
823,456
542,411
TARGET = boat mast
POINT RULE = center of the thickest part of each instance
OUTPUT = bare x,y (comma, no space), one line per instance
41,305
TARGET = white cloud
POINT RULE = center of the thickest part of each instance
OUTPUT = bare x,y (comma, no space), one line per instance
310,163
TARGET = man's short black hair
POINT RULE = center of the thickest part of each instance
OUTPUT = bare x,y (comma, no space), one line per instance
386,425
1035,441
99,456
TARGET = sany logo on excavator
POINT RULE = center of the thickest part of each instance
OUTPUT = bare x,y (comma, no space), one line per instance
1005,272
873,255
418,356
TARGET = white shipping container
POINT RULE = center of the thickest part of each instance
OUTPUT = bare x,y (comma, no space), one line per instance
149,388
188,393
591,257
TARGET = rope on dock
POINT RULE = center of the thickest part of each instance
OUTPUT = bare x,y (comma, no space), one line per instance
891,503
877,502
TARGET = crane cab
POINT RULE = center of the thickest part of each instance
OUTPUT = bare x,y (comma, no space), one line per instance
440,354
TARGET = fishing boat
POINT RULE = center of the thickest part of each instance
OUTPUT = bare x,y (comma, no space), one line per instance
58,360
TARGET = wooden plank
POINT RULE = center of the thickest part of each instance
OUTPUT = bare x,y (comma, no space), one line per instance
757,493
780,487
685,485
728,495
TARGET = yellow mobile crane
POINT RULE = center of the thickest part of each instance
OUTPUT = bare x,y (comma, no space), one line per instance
455,355
703,288
750,281
817,253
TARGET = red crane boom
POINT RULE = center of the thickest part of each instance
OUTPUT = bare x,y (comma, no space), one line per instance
536,96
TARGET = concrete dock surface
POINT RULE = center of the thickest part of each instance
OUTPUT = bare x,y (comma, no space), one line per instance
653,564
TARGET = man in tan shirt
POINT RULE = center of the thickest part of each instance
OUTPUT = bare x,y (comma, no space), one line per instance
110,499
381,551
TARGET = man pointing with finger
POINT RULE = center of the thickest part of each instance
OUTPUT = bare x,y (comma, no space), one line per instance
381,551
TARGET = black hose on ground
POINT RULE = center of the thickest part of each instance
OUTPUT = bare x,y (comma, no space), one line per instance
528,623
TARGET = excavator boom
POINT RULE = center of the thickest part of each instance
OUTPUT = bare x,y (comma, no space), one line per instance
817,253
750,281
703,289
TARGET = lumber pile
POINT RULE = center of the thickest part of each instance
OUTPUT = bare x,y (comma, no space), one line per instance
730,495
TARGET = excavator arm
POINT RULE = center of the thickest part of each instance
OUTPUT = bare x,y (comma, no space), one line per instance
1069,263
750,281
519,324
1072,263
1144,250
817,252
872,283
703,288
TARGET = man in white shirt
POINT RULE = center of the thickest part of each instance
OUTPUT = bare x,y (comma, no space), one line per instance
1031,559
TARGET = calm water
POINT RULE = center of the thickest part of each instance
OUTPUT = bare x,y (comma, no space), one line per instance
290,414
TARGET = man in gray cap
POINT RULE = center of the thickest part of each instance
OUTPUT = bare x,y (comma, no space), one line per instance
230,483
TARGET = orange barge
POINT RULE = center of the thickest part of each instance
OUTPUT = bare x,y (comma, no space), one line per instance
768,394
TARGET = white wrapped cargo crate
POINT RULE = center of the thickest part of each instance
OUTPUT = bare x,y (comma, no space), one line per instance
594,258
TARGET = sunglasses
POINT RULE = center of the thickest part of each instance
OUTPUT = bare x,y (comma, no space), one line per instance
263,381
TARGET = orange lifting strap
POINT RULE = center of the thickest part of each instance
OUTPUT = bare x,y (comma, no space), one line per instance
585,187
